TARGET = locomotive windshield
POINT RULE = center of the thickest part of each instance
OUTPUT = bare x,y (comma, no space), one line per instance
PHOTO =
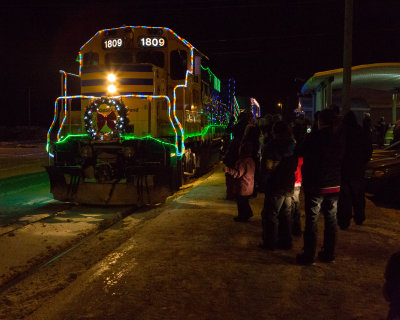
119,57
178,64
153,57
90,59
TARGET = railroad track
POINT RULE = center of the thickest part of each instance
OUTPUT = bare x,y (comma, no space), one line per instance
33,287
39,242
54,210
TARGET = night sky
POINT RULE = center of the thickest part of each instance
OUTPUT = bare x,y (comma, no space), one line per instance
271,47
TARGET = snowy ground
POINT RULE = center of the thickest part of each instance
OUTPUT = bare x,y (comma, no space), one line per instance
19,158
188,259
33,226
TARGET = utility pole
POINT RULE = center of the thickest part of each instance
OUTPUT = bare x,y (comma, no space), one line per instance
29,107
347,55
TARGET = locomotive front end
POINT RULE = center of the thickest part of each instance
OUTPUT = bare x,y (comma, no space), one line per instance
143,119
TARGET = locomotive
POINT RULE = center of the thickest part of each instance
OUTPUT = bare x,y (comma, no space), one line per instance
150,112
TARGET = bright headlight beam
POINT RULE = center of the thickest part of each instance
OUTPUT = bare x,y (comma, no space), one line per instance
111,88
111,77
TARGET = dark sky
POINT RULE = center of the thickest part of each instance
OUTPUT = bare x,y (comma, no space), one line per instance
269,46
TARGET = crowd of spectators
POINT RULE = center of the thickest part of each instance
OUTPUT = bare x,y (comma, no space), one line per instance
326,159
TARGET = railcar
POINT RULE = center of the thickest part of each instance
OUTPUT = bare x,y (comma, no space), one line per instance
149,112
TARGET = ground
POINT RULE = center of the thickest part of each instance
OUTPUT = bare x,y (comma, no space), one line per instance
188,259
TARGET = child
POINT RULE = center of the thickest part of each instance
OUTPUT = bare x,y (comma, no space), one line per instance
391,288
243,173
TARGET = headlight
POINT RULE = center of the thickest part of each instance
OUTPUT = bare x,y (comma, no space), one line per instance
112,88
111,77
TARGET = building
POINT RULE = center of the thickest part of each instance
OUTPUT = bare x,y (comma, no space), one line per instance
374,89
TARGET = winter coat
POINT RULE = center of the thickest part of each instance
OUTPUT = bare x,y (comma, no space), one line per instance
232,154
357,153
243,172
278,165
252,135
297,174
322,153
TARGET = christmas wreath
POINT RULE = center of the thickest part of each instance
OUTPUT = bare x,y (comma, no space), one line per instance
105,118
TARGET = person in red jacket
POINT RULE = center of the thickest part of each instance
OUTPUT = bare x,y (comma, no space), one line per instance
243,173
322,152
296,227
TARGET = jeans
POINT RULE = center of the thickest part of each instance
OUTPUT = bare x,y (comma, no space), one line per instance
296,212
313,203
352,196
277,221
244,209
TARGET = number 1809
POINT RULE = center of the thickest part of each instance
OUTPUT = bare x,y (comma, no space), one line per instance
113,43
152,42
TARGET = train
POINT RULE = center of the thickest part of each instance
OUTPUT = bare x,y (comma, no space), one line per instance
148,112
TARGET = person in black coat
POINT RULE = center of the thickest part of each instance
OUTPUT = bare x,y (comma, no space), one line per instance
352,190
322,153
278,164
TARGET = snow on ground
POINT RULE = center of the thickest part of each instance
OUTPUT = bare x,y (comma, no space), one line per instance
19,158
192,261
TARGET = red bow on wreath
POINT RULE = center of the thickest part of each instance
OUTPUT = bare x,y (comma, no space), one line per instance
110,119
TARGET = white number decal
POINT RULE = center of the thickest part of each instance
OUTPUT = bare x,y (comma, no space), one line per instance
152,42
113,43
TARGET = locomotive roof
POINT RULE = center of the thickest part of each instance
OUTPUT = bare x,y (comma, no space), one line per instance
190,46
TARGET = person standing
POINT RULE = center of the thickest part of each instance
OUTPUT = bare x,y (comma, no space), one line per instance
322,153
391,287
278,165
396,131
232,154
367,125
352,191
296,217
252,136
243,173
381,129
